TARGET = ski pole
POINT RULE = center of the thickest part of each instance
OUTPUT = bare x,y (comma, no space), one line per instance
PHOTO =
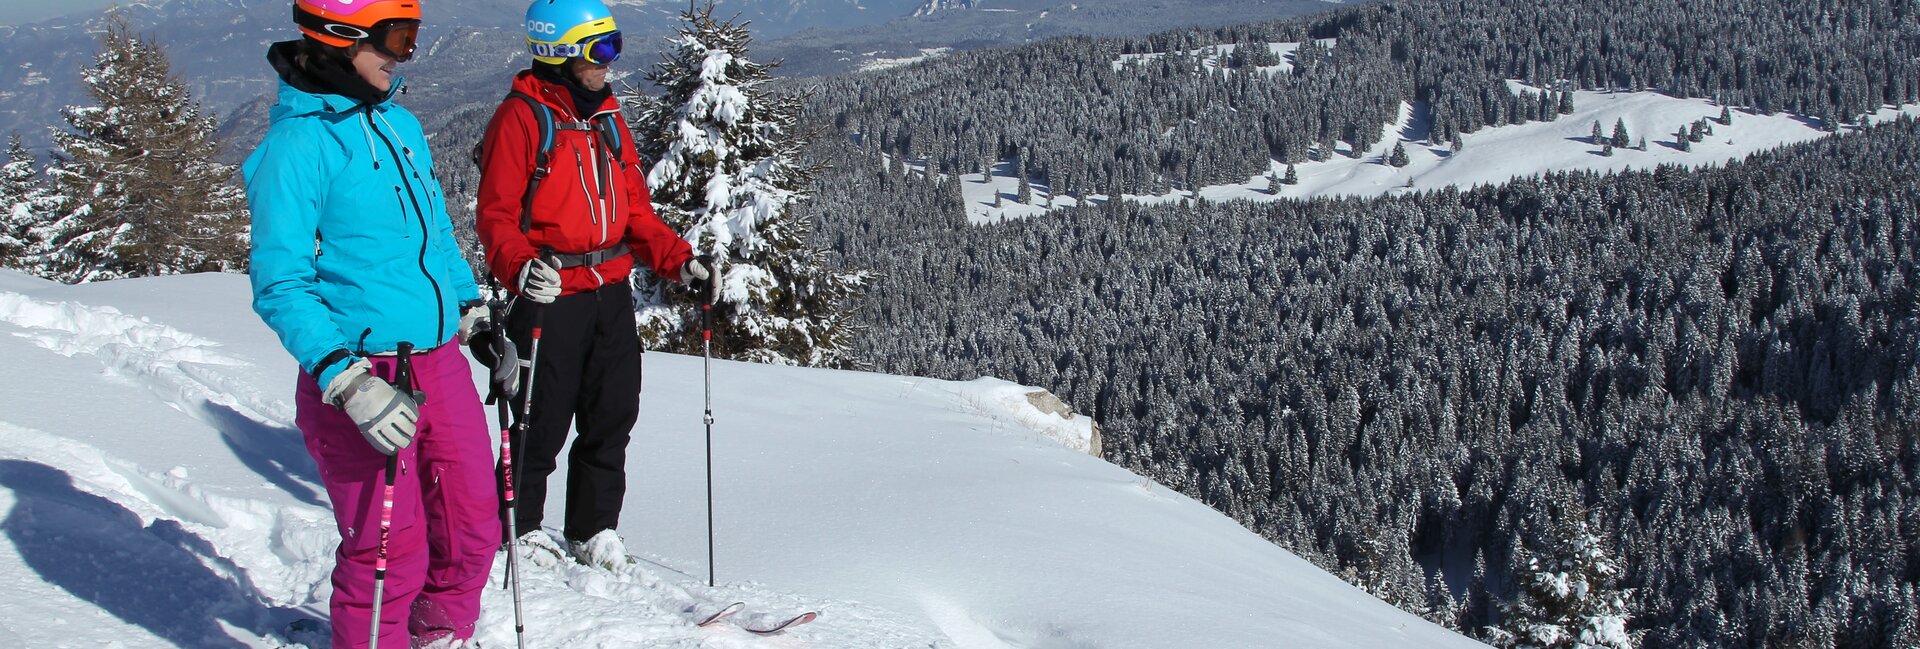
506,482
706,354
521,426
403,380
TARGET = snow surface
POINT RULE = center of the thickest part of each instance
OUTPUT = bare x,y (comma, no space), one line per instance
1489,156
153,492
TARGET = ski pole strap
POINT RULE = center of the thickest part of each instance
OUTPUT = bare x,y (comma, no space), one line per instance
589,259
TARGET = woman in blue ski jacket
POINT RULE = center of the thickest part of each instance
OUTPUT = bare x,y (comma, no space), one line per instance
353,257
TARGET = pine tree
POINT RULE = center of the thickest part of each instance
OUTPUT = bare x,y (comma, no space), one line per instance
141,192
24,200
1620,139
1293,176
1399,156
728,178
1570,598
1595,138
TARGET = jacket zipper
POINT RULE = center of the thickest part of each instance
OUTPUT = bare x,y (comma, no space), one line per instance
612,197
439,300
593,202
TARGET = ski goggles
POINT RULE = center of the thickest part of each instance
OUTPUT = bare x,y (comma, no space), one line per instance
394,37
599,49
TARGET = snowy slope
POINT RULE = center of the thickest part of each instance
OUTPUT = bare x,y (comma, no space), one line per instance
153,492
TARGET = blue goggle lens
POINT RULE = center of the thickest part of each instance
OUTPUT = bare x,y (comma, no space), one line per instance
602,49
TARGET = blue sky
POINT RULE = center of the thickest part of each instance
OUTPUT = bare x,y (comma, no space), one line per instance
15,12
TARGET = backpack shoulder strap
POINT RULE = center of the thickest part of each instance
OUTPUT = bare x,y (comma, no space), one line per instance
542,156
544,117
608,124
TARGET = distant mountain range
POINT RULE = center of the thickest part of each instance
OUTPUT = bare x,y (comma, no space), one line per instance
218,46
979,24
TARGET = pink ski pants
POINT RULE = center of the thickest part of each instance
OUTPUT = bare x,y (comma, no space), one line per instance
446,514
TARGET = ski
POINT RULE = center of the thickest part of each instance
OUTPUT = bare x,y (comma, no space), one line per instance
727,613
777,629
721,614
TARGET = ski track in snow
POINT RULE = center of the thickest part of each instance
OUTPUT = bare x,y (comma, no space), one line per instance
278,555
180,368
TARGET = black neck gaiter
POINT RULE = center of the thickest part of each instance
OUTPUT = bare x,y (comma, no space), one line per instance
585,102
311,66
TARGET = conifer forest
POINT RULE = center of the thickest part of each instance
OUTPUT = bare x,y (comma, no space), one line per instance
1714,370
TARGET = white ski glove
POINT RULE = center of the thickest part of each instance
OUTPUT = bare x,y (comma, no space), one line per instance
387,417
539,281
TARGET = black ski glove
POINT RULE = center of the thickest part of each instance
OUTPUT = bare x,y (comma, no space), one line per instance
703,277
495,350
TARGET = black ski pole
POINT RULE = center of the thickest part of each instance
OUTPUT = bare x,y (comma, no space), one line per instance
402,380
706,354
523,425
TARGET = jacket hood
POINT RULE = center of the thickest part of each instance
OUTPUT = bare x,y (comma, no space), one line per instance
556,95
304,90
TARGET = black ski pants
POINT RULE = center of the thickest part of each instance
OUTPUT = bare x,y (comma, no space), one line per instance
588,375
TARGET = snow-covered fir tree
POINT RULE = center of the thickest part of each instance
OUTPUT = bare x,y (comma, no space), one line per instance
1570,599
1620,137
23,202
141,192
725,175
1398,158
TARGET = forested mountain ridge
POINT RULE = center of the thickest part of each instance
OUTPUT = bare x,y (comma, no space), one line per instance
1716,368
1071,119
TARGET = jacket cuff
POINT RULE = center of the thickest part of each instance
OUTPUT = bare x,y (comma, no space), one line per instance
330,366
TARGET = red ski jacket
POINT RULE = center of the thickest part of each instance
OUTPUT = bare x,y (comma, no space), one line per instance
590,200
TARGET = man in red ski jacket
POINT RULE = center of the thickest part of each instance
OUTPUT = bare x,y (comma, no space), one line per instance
567,249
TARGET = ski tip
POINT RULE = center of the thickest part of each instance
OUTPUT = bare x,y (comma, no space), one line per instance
721,614
794,621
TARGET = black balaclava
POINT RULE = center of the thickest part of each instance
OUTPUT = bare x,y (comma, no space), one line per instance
312,66
585,102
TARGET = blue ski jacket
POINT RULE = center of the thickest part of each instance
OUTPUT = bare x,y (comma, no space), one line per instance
352,248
